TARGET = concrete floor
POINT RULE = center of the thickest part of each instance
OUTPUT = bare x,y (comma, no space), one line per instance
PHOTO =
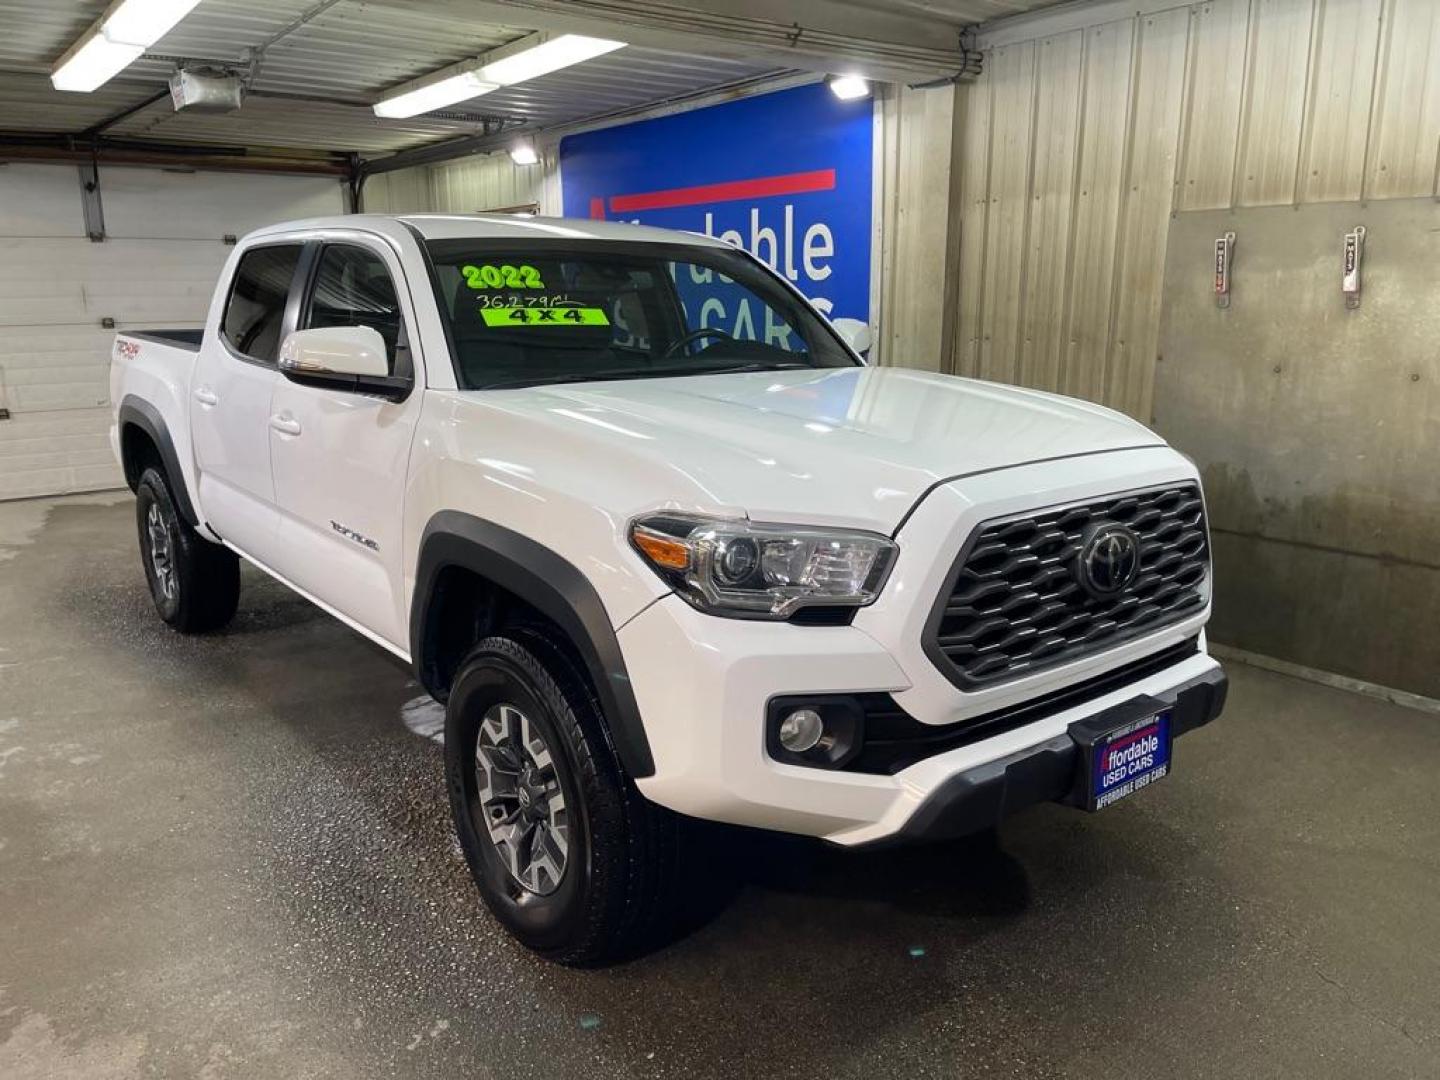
230,856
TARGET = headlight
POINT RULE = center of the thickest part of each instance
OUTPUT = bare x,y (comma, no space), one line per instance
744,569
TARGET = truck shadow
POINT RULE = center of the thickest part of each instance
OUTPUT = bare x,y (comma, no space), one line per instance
959,878
963,878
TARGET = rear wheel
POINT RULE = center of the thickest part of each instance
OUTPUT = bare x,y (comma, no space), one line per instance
195,584
566,852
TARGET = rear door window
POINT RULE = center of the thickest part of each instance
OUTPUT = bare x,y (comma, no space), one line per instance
255,311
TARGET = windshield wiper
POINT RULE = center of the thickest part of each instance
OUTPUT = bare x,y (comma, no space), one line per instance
573,376
734,369
635,373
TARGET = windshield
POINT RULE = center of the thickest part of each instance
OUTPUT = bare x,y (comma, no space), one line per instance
551,312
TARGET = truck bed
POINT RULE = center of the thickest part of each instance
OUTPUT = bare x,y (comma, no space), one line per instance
150,372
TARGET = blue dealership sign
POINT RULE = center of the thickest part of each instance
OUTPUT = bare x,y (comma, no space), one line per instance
787,176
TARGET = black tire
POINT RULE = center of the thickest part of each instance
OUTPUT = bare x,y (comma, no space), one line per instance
195,584
619,890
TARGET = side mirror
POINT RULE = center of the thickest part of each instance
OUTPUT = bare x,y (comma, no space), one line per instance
350,358
855,333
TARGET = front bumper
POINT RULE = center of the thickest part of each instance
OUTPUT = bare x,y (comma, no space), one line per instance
703,684
982,797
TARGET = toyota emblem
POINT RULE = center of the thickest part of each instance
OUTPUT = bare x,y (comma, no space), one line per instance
1109,560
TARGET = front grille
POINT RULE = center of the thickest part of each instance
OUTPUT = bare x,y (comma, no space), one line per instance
1014,604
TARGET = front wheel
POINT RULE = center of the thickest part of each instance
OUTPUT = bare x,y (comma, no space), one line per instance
566,852
195,584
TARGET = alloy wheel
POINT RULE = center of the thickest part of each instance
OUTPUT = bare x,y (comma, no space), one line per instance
521,800
162,552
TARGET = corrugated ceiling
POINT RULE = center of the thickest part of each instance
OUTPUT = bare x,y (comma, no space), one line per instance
956,12
313,86
315,66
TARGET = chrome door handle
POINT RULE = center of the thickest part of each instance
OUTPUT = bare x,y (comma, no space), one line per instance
286,425
205,396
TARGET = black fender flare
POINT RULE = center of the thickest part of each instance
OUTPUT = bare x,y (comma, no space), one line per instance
554,587
137,412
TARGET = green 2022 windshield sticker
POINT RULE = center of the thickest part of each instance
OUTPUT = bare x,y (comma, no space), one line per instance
544,316
504,276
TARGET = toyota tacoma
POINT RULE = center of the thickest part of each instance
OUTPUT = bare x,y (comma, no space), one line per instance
668,548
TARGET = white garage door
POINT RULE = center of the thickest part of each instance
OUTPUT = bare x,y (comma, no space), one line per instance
157,266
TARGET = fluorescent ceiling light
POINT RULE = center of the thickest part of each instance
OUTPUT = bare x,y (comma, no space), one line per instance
436,95
538,54
93,64
543,55
849,87
523,153
118,39
143,22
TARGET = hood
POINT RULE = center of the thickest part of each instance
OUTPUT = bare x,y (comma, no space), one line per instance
845,446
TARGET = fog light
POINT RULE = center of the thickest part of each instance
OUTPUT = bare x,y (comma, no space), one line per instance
817,731
801,730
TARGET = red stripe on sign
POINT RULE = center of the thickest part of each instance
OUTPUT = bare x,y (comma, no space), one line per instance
729,191
597,209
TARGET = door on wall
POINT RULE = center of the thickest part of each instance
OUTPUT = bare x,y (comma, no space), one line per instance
156,267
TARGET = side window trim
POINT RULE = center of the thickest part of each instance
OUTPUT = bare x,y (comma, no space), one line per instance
299,298
287,322
304,297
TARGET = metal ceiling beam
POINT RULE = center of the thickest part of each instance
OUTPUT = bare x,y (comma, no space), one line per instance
124,114
812,35
58,147
256,55
492,137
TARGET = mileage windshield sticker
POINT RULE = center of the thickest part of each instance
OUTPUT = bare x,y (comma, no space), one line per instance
544,316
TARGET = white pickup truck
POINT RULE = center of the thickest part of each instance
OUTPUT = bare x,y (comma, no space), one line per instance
668,548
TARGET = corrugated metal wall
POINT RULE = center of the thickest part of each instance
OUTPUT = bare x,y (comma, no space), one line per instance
404,191
463,186
918,227
1080,141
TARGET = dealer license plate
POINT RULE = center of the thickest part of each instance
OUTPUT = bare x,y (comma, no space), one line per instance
1132,758
1122,753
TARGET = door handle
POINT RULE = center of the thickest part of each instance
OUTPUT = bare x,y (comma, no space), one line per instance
205,396
286,425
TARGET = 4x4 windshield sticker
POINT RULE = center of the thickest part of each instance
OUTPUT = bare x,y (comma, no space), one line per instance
544,316
503,276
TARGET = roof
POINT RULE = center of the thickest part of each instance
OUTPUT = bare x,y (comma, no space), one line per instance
507,226
496,227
